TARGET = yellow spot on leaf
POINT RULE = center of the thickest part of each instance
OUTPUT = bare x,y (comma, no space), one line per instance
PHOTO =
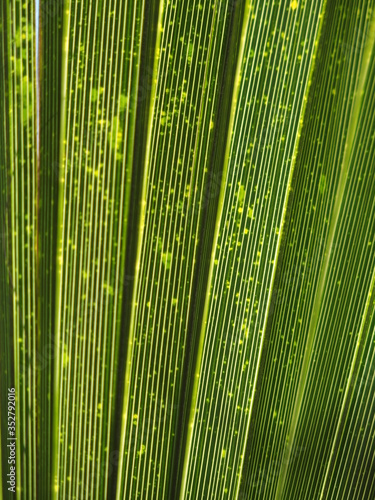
166,259
142,450
294,5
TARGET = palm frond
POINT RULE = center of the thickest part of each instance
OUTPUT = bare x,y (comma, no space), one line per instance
187,248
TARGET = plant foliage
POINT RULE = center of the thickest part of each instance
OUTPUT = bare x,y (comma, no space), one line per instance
187,248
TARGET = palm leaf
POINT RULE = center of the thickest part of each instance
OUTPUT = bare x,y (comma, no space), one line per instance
187,238
19,224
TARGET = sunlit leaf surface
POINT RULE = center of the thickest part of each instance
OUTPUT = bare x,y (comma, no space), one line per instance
187,262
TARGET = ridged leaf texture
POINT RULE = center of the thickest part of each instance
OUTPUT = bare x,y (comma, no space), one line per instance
187,249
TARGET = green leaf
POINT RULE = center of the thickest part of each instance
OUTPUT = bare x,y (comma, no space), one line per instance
100,74
187,248
19,266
